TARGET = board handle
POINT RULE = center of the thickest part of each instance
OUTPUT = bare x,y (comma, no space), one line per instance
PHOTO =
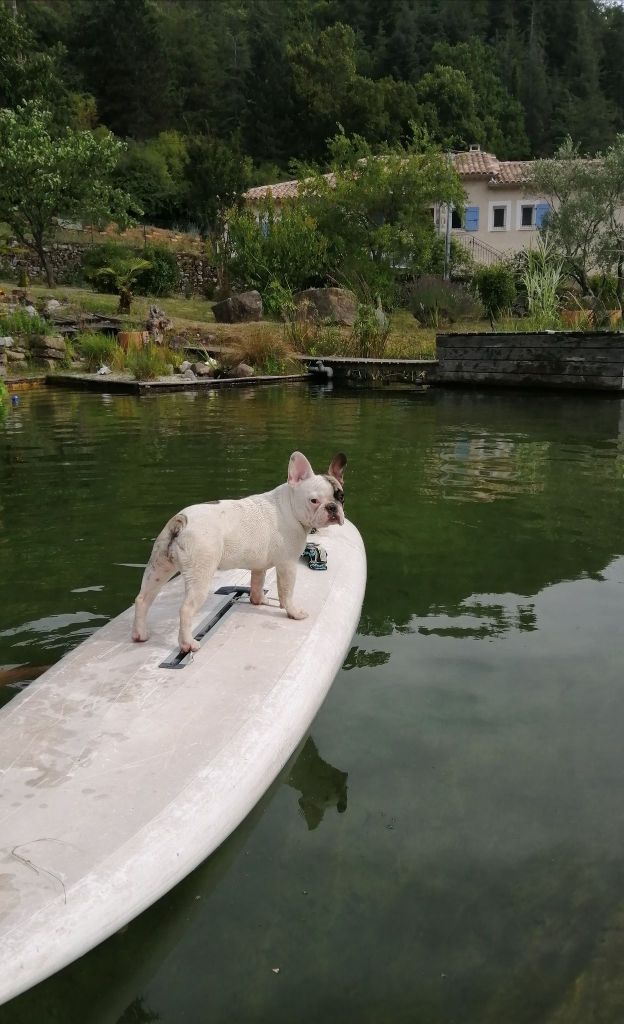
180,659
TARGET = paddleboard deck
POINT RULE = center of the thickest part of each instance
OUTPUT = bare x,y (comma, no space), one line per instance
119,775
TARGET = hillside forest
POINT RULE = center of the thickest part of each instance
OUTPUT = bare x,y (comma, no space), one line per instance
211,96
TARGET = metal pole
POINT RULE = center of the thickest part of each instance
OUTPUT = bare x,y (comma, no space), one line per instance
447,234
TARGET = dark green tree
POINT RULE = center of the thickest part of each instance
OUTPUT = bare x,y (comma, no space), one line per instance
217,176
26,71
123,58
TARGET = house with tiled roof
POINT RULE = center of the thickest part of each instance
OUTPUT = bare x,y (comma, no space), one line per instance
499,217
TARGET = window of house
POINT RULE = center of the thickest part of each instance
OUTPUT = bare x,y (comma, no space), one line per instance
456,221
527,216
499,217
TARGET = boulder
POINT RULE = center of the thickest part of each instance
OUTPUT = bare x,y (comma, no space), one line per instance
239,308
16,355
50,306
189,374
242,370
52,354
51,342
203,370
338,305
5,343
185,366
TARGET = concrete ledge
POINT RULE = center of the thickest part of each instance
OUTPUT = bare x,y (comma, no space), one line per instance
25,383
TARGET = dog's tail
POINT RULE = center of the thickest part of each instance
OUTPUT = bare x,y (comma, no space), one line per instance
174,527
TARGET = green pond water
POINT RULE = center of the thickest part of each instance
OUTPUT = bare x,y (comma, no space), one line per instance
447,847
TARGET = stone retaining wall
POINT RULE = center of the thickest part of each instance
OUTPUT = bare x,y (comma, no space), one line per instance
197,276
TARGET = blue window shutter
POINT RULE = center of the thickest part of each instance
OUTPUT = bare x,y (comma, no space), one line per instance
541,211
471,220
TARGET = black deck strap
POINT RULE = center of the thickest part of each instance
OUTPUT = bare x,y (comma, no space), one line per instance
181,658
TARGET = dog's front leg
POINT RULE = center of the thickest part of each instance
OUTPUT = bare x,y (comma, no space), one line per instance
257,595
286,576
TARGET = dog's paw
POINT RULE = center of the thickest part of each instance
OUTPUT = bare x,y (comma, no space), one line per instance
194,645
259,600
139,636
296,613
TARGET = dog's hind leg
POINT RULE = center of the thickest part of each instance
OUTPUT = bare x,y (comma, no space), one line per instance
158,571
197,582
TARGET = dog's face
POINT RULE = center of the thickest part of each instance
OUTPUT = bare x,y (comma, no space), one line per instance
318,500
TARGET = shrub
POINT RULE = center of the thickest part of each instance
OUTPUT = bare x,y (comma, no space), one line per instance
604,287
277,299
162,277
264,349
435,302
97,257
497,288
97,350
286,250
150,361
21,322
370,333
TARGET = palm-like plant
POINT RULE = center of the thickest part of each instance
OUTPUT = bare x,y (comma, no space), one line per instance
123,277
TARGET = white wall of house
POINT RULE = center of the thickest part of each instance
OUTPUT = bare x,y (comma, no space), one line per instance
503,218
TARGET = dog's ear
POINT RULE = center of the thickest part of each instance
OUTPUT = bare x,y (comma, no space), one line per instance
299,469
337,467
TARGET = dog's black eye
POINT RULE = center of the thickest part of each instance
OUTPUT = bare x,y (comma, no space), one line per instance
339,496
314,501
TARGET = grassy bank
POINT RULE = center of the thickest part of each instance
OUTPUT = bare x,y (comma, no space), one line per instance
407,340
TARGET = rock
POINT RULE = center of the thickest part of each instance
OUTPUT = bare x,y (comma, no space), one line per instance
243,370
50,353
30,310
337,305
6,342
51,305
239,308
203,370
48,341
103,370
185,366
157,323
189,374
16,356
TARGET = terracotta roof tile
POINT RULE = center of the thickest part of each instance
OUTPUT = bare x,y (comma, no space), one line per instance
473,164
476,164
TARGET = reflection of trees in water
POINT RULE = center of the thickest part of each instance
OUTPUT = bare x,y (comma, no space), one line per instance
500,495
359,658
138,1013
321,785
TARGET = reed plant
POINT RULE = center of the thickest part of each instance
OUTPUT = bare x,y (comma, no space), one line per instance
98,350
542,277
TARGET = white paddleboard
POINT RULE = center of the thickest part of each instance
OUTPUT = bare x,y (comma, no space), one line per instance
119,776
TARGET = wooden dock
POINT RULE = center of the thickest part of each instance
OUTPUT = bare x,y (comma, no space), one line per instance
127,385
549,359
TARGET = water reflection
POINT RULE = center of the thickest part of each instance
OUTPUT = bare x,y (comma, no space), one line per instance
478,874
321,785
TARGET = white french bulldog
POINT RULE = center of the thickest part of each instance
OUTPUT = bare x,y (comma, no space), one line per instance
256,533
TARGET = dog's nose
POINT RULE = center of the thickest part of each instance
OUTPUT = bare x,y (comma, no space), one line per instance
332,508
